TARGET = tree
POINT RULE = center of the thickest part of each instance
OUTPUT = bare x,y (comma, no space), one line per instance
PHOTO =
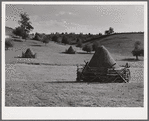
19,31
39,37
100,34
107,32
111,30
25,26
55,38
87,48
137,50
79,43
95,45
65,40
45,40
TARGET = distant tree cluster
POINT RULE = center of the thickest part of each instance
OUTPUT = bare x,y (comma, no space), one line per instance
65,40
39,36
55,38
110,31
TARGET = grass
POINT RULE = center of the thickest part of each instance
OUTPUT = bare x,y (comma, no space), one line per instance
118,43
34,85
49,80
34,93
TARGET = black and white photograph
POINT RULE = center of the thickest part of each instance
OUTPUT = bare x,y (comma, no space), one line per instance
74,60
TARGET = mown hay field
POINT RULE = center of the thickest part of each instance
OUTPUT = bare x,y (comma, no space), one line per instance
50,79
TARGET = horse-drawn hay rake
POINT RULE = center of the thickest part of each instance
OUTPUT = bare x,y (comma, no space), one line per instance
103,75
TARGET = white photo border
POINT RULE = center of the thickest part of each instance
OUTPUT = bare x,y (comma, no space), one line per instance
70,113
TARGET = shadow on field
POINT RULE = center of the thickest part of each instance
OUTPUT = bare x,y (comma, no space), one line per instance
131,59
83,53
37,45
67,53
94,82
64,82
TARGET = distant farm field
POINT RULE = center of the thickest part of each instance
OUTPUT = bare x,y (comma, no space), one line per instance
50,79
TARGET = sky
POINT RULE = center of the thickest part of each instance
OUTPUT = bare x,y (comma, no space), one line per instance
78,18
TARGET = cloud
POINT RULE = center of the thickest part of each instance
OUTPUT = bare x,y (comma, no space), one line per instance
61,13
34,18
63,26
75,27
11,18
49,26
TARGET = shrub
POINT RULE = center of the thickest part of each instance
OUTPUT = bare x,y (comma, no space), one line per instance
95,45
87,48
8,43
45,40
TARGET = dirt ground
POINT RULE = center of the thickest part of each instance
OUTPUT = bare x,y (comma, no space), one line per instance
50,80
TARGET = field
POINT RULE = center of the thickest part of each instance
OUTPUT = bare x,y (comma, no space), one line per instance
50,79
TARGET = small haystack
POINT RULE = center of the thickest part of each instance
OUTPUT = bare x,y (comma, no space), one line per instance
28,54
70,50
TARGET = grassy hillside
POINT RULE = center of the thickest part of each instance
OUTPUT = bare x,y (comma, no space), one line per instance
121,44
9,31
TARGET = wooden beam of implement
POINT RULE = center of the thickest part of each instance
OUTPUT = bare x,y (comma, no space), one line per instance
121,76
83,68
96,76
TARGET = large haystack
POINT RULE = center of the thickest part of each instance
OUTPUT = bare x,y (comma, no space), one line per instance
102,59
103,68
28,54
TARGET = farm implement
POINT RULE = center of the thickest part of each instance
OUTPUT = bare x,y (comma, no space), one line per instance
103,68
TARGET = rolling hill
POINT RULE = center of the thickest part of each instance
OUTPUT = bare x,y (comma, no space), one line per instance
118,43
122,43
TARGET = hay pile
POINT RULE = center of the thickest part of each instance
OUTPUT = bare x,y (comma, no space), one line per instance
70,50
28,54
102,58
